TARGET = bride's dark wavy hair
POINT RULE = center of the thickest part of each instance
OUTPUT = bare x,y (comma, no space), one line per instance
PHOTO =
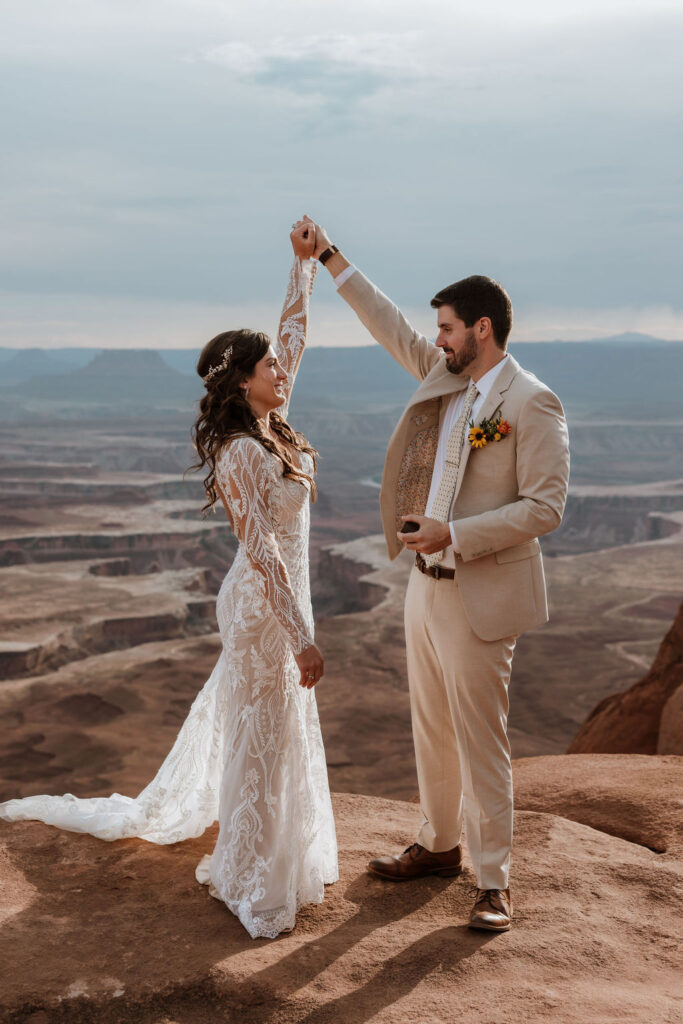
224,411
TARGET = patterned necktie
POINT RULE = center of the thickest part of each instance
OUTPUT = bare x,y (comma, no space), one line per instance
444,497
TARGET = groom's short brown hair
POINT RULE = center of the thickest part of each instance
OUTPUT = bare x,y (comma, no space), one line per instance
478,296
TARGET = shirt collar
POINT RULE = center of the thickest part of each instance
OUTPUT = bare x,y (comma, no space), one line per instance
485,383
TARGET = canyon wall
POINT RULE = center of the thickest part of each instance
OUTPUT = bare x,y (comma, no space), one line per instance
645,719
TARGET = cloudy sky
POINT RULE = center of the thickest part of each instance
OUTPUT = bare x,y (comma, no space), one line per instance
155,153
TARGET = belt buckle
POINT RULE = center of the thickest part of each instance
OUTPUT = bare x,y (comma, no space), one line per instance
436,569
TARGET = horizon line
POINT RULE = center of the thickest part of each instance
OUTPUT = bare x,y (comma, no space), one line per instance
627,338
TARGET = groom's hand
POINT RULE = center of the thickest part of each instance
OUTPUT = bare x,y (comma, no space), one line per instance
322,239
431,535
336,263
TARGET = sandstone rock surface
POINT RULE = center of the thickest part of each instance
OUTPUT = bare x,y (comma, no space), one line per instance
635,797
98,933
629,722
670,739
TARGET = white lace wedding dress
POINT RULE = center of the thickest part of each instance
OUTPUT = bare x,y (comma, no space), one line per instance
250,752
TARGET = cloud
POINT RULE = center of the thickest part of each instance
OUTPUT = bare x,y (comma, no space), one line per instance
382,53
336,69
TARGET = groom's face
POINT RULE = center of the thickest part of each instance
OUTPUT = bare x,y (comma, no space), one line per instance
457,341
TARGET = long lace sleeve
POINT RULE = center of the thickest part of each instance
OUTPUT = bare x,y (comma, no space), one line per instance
245,477
291,337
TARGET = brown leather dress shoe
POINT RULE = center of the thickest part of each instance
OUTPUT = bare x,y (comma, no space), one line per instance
492,910
416,862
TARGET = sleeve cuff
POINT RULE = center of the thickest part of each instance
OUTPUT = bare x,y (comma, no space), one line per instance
341,279
454,542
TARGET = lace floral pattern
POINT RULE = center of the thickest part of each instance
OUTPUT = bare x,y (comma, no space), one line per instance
250,752
292,333
248,478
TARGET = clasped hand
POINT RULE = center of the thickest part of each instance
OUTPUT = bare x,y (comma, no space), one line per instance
302,237
431,536
308,238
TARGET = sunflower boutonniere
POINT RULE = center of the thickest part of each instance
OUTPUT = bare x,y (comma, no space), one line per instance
488,431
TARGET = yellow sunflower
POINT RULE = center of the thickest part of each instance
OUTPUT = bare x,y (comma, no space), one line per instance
477,437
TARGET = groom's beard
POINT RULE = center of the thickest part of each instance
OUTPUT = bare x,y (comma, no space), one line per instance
462,359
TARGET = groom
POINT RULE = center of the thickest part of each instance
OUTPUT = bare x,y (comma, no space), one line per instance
477,468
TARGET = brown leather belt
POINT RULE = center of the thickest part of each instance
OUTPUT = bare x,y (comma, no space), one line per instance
437,572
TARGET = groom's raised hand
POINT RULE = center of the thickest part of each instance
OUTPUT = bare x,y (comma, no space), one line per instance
322,239
430,536
335,263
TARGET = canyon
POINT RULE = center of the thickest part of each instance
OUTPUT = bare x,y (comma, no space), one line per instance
108,576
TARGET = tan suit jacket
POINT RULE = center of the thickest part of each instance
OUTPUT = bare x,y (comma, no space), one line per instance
506,494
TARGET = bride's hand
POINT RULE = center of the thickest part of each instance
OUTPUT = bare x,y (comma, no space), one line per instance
311,666
303,239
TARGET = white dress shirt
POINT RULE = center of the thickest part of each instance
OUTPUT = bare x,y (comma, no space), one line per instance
344,276
451,415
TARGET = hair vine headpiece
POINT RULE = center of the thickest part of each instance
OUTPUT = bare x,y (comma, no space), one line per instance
213,370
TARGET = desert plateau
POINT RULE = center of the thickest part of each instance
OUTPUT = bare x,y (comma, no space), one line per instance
108,577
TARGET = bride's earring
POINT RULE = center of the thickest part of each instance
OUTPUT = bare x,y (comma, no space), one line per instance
245,390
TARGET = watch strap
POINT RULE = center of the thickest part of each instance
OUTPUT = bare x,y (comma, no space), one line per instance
327,254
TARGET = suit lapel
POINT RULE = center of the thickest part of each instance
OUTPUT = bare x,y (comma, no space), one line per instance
495,396
493,400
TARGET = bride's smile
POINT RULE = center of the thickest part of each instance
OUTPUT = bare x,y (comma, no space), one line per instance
266,388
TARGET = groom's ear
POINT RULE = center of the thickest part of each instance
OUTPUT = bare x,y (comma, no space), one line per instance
483,328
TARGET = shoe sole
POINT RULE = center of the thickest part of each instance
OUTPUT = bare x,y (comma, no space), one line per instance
440,873
490,927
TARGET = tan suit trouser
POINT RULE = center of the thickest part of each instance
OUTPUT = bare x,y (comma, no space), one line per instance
459,706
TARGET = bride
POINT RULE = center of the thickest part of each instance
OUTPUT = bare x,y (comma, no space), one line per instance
250,752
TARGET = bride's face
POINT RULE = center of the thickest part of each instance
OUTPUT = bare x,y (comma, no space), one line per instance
266,386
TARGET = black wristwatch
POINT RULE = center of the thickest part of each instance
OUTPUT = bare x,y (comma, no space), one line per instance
325,256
